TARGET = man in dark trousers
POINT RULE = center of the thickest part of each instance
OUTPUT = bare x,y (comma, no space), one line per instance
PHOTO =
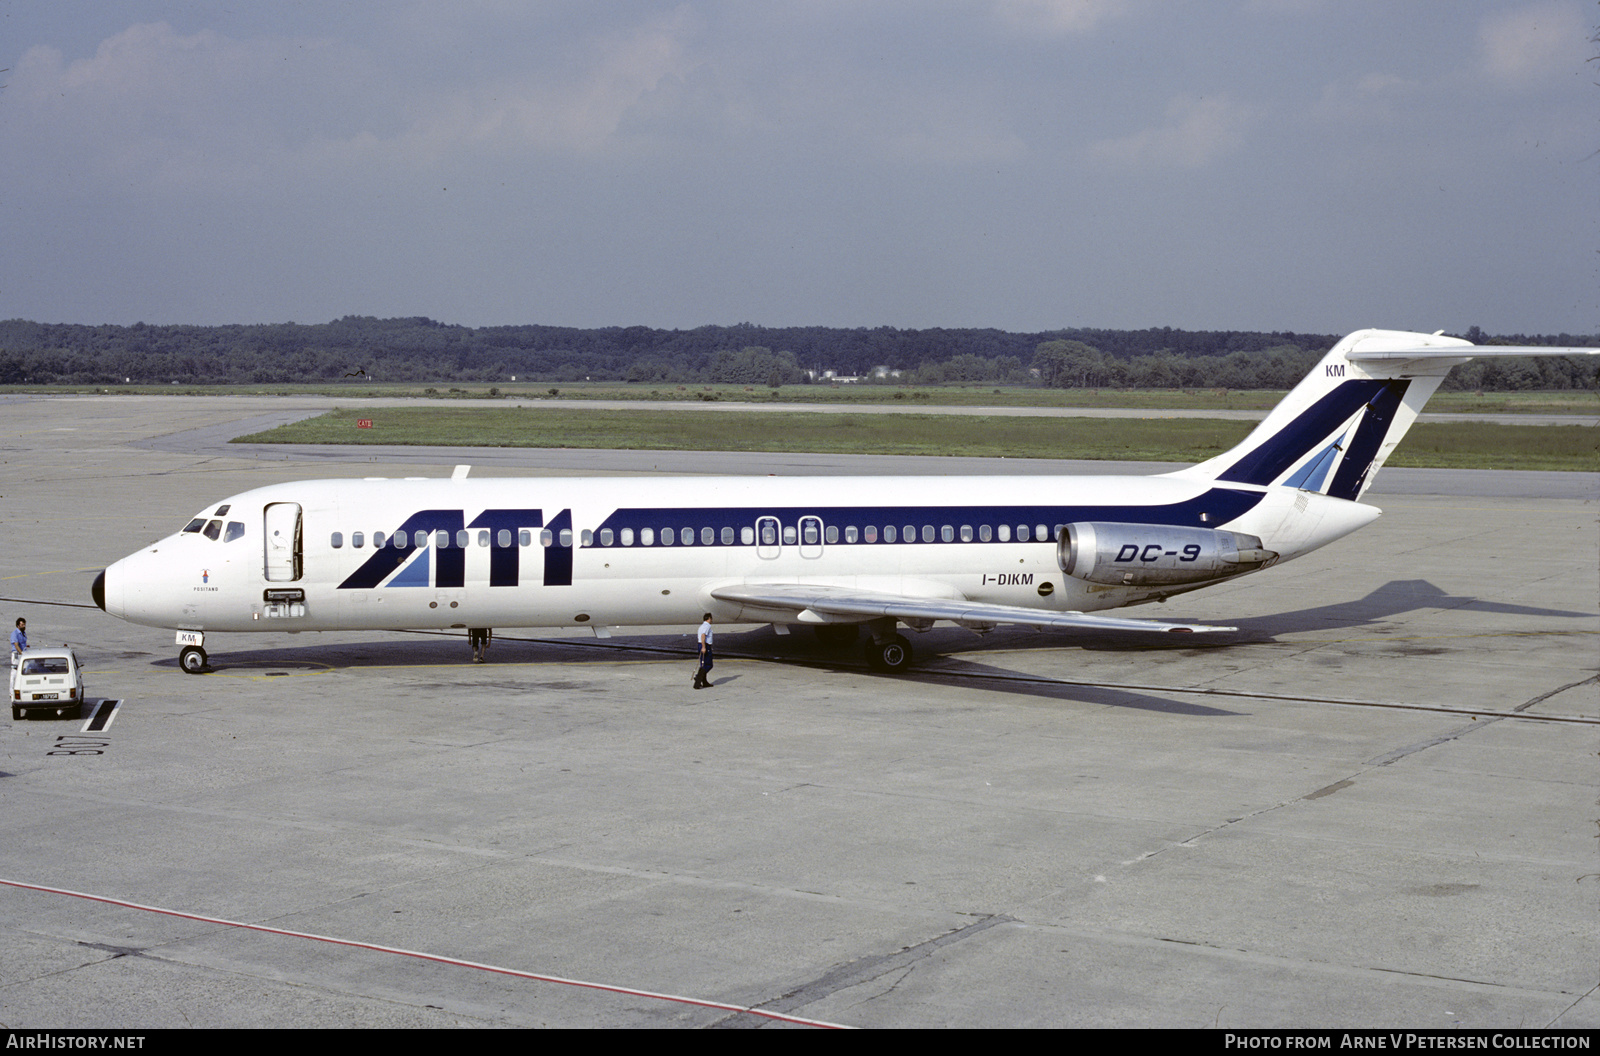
700,681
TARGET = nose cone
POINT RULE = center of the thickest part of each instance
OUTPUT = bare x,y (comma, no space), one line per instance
98,590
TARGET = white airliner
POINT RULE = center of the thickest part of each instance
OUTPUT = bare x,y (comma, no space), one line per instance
834,553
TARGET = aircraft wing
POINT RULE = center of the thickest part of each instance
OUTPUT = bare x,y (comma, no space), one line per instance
825,604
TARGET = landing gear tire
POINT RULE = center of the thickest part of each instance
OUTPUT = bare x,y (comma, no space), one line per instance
192,660
892,655
836,635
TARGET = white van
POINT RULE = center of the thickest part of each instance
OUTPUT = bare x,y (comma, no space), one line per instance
47,679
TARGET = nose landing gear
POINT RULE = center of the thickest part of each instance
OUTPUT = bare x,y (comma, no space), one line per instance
193,660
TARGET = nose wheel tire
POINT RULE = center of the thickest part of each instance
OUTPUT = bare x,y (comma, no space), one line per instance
192,660
892,655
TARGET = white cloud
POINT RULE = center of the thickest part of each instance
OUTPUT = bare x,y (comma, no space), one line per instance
1377,97
1058,17
578,113
1197,132
1535,42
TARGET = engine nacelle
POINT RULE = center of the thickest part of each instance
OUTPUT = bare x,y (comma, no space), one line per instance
1154,554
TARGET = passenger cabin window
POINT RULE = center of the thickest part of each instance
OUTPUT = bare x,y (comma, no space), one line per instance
605,537
566,536
889,535
747,535
235,530
727,535
524,537
627,537
421,538
377,540
870,533
708,536
647,537
1005,533
357,539
1040,532
336,540
830,535
686,536
811,533
788,535
984,533
401,540
850,535
927,533
503,538
441,539
966,533
667,538
546,537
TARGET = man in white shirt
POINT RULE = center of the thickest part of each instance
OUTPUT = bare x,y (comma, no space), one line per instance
700,681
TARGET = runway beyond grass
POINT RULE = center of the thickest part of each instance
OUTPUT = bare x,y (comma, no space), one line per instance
1448,445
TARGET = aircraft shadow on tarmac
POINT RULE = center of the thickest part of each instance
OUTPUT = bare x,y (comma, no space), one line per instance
1392,599
945,651
520,658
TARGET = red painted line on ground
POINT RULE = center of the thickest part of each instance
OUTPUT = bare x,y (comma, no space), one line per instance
437,958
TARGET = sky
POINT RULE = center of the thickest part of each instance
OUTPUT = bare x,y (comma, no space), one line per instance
1308,165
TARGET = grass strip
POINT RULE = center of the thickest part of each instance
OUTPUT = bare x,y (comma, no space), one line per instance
1466,445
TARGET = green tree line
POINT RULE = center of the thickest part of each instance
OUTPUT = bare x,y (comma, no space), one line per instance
421,349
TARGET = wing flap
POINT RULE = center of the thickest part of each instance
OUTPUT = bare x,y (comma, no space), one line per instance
824,604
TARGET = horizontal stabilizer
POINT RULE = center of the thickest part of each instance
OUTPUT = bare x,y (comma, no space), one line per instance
1463,354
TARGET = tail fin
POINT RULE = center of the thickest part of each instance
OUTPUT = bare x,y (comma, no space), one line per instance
1335,430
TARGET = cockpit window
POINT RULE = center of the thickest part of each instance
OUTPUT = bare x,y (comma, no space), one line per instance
196,524
235,531
213,529
222,511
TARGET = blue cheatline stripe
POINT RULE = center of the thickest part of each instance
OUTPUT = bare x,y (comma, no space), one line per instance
1215,507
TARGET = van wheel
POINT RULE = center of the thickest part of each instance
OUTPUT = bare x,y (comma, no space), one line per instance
192,659
16,713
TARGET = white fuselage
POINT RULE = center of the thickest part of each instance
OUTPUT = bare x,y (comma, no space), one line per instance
534,552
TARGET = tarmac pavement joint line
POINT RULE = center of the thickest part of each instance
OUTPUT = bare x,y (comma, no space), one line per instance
867,969
436,958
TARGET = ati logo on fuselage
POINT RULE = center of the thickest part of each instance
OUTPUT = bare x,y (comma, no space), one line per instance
404,558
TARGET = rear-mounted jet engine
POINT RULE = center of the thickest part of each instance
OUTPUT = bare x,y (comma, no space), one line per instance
1153,554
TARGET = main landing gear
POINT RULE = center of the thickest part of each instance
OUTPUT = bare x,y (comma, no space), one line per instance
886,650
889,653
